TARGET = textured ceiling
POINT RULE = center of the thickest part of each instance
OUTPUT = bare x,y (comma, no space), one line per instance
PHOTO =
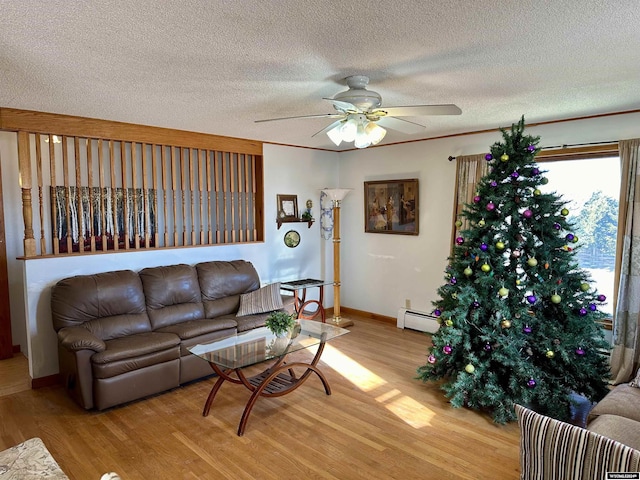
217,66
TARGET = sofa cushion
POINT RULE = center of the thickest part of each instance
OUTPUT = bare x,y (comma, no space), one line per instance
623,401
222,282
620,429
187,343
265,299
110,370
195,328
109,305
554,450
172,294
134,346
248,322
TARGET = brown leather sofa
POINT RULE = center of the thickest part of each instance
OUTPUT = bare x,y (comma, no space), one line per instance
124,335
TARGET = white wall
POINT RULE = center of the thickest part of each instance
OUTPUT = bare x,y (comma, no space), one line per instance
381,271
287,170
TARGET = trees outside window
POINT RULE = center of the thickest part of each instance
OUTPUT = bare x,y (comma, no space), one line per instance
592,188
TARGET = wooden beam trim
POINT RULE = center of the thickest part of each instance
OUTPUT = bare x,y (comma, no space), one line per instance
15,120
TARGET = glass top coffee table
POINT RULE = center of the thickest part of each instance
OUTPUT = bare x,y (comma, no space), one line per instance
228,356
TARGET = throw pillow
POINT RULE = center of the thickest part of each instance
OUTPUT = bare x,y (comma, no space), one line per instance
265,299
636,381
554,450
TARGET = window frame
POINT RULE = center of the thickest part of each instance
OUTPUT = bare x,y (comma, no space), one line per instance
582,153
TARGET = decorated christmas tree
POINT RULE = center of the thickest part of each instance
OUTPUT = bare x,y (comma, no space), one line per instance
518,317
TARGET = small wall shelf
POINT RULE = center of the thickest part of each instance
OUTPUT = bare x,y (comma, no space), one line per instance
308,222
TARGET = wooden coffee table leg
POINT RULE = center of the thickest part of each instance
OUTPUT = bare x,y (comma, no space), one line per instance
294,383
222,377
212,394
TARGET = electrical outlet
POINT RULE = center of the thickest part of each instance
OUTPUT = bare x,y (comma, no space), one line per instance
407,303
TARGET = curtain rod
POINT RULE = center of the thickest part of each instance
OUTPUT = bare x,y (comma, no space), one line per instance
450,158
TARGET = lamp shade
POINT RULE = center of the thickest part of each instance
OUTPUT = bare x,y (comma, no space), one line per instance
335,134
336,194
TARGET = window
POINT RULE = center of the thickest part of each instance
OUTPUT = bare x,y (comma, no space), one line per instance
592,187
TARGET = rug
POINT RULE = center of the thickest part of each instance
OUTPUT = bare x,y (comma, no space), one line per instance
29,460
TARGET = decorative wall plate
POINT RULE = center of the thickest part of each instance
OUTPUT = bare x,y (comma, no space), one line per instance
291,239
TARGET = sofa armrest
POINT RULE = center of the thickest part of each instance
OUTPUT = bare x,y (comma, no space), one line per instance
78,338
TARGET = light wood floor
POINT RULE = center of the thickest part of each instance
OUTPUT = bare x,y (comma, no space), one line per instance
379,423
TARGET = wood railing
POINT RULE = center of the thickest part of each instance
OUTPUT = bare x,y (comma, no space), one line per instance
108,186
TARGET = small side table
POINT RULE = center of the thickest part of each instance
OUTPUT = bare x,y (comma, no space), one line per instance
300,299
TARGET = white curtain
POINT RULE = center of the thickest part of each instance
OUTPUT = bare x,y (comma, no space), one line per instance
626,344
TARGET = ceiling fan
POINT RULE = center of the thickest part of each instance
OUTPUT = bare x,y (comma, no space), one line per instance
360,116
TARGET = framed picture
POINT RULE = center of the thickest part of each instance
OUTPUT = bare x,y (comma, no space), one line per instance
391,206
288,208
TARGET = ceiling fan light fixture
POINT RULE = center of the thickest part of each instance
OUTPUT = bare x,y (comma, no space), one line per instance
362,140
375,132
358,129
335,134
349,129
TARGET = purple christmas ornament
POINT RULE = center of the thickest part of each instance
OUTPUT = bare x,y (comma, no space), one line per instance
487,347
527,329
515,175
535,171
531,148
579,351
527,213
494,183
483,247
447,349
459,240
531,299
453,280
582,312
570,237
601,298
476,199
437,312
491,206
531,383
431,359
556,226
593,307
488,157
475,304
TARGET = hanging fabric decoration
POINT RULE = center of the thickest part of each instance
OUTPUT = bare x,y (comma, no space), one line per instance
326,216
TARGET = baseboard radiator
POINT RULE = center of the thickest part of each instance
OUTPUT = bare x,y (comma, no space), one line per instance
416,320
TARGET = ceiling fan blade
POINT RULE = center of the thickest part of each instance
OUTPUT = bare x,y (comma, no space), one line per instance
324,115
420,110
343,106
401,125
328,127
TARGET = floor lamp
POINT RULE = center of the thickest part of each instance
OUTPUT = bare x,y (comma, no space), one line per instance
337,195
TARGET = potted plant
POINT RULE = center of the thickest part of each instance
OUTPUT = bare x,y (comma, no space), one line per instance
280,322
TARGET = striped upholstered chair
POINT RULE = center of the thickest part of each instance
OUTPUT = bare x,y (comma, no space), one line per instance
554,450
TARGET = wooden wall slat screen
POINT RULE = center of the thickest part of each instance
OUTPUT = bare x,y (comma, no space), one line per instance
107,195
